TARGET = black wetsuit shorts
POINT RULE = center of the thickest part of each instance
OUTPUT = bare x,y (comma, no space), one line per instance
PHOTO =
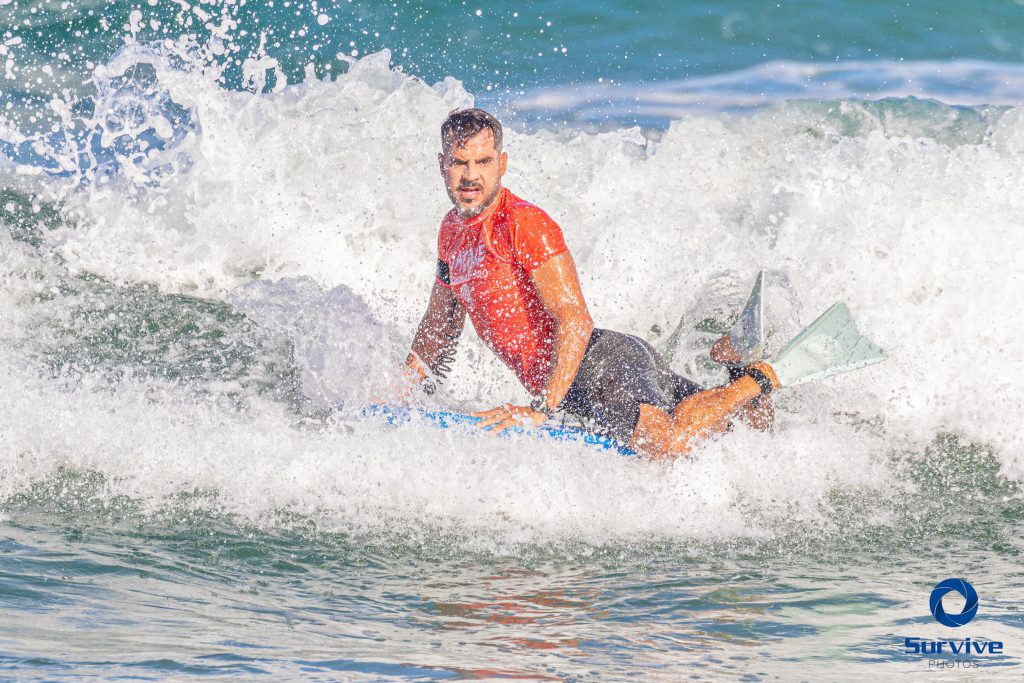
619,372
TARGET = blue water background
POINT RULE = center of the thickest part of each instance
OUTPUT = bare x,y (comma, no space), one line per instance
502,51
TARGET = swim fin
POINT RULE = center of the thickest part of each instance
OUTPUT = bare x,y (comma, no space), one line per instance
744,343
829,346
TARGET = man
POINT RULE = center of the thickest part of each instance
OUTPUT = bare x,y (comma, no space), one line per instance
503,261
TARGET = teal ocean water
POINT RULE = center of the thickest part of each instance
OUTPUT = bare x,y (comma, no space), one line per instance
217,233
585,61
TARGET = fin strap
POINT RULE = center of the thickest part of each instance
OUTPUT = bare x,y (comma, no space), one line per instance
761,379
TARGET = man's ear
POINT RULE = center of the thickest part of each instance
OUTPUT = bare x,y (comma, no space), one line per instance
440,162
503,163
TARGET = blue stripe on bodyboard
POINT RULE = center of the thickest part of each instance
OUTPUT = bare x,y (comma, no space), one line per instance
444,419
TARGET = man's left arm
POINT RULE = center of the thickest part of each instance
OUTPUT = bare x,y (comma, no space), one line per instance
558,287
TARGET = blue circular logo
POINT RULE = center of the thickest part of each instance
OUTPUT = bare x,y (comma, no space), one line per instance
948,586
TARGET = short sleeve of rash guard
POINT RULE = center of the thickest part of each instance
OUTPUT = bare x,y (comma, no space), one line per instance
536,239
441,274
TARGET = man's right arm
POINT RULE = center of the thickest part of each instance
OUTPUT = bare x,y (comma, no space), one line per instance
438,333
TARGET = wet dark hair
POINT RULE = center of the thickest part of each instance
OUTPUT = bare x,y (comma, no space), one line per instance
463,124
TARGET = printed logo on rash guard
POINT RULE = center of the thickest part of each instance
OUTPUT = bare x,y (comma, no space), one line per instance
464,263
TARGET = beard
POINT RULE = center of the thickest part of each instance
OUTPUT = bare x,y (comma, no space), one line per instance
475,210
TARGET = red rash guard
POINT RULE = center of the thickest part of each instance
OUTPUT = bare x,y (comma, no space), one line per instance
486,261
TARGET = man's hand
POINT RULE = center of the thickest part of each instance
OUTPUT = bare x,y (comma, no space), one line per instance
508,415
403,384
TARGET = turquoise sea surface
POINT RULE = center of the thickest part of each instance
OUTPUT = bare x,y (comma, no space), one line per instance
218,227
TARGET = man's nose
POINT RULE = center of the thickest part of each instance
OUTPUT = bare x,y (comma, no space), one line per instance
472,171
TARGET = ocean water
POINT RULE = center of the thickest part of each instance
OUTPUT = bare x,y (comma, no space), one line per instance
217,234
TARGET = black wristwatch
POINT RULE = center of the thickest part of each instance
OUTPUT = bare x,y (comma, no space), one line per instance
540,405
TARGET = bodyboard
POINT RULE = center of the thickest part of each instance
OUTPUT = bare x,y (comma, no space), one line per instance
443,419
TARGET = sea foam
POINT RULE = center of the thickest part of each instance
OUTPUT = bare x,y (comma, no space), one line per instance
313,210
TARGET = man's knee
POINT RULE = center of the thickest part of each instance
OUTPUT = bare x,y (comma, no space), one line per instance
661,434
653,432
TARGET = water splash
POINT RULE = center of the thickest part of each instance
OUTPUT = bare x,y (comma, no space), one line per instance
309,215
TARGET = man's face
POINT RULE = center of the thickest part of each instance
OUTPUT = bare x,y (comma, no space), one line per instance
472,171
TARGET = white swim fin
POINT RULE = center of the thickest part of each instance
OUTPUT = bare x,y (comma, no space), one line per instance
829,346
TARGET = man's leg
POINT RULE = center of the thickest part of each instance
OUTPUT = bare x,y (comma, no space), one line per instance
758,413
662,434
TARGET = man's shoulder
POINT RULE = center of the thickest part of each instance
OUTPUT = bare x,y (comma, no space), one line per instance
446,233
449,223
450,218
524,212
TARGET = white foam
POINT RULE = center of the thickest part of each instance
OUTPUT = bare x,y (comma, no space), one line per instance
964,81
336,182
154,443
